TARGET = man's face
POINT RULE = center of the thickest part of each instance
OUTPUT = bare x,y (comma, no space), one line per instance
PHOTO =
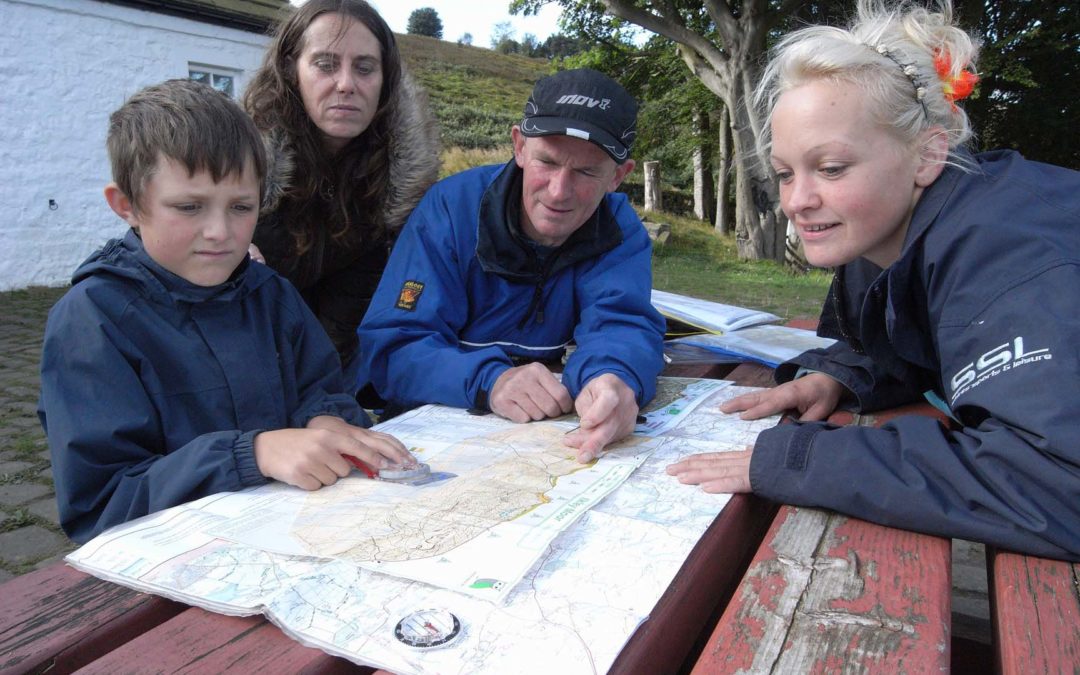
565,179
195,228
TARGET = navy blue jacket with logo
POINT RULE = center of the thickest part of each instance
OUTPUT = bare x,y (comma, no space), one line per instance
983,310
153,388
465,297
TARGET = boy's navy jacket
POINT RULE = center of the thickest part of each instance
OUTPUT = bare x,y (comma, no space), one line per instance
153,388
982,309
466,294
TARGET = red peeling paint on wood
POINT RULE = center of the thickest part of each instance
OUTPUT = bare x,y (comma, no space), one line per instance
1035,610
831,590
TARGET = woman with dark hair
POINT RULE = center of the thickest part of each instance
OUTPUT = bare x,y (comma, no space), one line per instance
352,148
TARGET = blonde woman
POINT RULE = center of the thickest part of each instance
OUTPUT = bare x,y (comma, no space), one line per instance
957,279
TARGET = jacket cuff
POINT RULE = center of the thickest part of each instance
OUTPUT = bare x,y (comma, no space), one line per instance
244,455
781,454
339,405
478,393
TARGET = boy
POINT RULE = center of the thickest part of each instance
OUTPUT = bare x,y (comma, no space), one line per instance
174,368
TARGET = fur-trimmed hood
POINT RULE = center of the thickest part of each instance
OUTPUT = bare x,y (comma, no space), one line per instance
414,158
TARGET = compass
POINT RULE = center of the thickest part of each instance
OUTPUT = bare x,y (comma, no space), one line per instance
428,629
405,472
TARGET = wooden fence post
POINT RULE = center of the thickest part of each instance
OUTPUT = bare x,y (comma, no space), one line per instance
653,200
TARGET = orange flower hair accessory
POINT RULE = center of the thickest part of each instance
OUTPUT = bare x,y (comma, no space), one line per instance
956,87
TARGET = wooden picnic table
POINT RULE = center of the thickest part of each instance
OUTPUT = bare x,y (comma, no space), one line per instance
805,590
830,593
60,620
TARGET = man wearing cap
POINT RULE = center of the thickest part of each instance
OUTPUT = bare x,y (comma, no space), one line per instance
500,268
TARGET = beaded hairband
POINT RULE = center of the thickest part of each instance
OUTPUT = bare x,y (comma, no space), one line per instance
912,74
953,88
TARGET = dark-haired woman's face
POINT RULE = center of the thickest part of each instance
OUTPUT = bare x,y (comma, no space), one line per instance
340,77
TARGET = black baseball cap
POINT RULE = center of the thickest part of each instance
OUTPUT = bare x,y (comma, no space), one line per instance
586,104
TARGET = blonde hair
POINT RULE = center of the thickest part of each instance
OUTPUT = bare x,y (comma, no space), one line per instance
888,53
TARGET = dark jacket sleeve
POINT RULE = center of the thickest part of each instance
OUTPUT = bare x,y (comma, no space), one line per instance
108,451
320,388
120,451
1010,477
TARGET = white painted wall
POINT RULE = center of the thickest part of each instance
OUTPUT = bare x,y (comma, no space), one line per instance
65,65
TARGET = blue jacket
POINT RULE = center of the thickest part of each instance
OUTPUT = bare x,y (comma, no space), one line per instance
465,296
153,388
982,311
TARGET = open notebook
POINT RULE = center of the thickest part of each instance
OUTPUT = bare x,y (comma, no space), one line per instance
702,331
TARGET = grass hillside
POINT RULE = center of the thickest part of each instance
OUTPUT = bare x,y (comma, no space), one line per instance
476,94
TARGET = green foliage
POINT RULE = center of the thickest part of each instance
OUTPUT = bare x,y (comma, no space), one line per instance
1029,96
696,261
457,159
16,519
468,126
476,95
425,21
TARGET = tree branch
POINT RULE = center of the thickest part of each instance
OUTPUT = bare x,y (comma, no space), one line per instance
667,27
720,12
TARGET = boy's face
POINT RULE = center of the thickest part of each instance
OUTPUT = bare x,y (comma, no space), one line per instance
191,226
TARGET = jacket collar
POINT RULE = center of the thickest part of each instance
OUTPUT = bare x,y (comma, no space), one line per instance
932,201
414,160
891,318
503,249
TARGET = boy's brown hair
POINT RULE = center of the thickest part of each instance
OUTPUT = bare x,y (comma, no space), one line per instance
188,122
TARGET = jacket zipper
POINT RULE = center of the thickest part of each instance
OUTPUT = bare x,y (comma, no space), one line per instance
538,294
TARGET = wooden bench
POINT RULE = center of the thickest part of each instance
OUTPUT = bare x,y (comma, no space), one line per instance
1034,613
58,619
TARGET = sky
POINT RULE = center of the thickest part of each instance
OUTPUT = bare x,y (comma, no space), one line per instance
470,16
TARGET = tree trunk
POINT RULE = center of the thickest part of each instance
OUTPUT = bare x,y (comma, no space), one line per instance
728,63
724,215
703,182
653,197
757,235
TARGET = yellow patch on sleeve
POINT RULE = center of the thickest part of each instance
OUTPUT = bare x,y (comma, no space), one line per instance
409,295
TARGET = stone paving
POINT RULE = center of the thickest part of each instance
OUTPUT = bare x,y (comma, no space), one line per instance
30,535
31,538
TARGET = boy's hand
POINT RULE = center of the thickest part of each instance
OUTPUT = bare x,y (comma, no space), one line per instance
310,458
387,449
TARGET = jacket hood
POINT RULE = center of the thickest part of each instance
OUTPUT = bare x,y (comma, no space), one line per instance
414,159
127,259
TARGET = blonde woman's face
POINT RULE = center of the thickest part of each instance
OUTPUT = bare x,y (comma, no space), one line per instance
847,184
340,76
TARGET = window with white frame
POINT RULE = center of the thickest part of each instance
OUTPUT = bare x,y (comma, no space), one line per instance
222,79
